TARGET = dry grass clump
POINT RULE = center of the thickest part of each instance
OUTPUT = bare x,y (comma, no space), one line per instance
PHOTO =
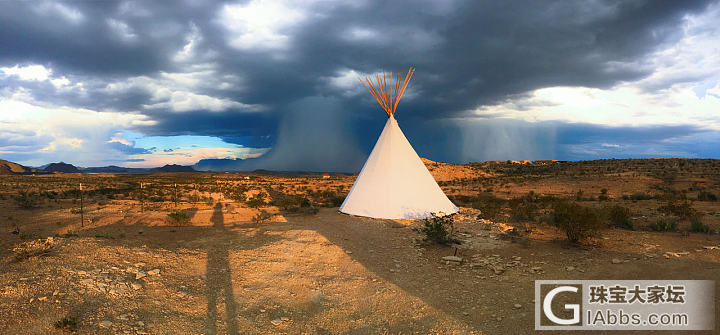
33,248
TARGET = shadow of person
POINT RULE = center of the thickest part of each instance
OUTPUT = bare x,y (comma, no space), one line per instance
219,281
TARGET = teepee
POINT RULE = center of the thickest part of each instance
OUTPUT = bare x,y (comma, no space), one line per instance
394,183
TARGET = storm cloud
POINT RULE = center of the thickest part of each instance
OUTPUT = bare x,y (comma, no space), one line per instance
281,75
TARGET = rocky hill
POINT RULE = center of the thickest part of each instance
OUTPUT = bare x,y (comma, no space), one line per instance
61,168
8,167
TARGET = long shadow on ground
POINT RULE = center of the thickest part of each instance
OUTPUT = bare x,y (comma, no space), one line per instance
219,281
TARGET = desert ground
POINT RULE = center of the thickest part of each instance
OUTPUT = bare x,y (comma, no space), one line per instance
254,253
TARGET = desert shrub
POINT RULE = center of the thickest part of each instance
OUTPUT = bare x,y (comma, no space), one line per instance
178,217
328,198
33,248
237,193
619,216
578,222
438,228
68,323
193,197
262,217
290,203
664,225
257,200
27,200
683,209
489,205
698,227
603,195
640,196
706,196
524,208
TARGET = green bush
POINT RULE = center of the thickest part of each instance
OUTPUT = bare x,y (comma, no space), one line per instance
698,227
640,196
619,216
489,205
438,228
578,222
178,217
27,200
69,324
683,209
290,203
664,225
257,200
603,195
262,217
707,196
524,208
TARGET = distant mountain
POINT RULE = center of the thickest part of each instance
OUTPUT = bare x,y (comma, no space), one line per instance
174,168
8,167
61,167
113,169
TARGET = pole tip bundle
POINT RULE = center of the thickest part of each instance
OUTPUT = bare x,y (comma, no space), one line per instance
388,99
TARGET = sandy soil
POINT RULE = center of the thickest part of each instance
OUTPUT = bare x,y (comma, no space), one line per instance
320,274
127,271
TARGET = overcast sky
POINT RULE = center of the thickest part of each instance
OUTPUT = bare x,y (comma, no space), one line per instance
145,83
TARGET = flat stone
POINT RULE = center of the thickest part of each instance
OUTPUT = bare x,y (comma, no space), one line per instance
452,259
517,306
570,268
616,261
136,286
154,272
140,274
276,322
105,324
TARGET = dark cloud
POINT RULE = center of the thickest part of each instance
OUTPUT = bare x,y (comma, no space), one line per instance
467,54
127,149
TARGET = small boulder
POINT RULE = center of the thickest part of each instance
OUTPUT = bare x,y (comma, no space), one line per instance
452,259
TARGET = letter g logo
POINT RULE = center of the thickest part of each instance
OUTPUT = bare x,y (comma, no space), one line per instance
547,306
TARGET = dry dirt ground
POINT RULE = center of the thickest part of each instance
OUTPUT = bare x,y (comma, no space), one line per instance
129,272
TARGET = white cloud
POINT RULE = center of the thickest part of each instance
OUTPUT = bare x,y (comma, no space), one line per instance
39,73
190,156
60,82
260,24
625,105
63,10
684,88
183,101
121,29
178,91
189,50
28,73
346,82
119,138
54,133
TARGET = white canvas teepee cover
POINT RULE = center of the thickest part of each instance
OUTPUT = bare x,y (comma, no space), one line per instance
394,183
